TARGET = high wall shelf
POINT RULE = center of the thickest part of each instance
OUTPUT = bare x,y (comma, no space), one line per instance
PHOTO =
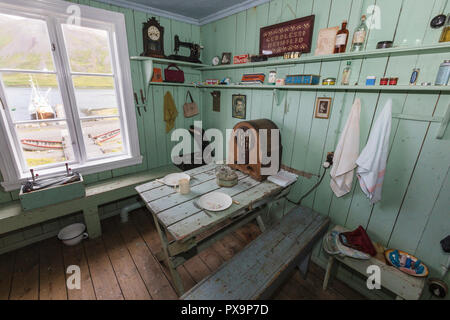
147,62
337,57
278,91
416,88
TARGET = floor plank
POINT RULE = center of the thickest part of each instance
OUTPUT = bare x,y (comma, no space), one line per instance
102,273
75,255
122,264
25,281
144,223
6,274
228,246
52,283
149,268
130,281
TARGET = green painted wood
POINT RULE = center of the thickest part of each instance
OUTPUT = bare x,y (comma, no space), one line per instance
52,195
13,218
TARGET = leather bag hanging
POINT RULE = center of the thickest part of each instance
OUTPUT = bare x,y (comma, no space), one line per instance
190,109
173,74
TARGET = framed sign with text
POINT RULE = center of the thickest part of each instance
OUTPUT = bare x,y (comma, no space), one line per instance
290,36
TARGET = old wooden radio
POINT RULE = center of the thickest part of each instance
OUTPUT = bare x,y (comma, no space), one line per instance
255,148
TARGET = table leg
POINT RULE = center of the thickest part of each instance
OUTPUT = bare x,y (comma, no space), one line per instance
261,225
303,266
173,271
328,272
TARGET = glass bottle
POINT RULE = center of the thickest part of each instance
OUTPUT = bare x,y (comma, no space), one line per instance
346,74
445,35
341,38
359,36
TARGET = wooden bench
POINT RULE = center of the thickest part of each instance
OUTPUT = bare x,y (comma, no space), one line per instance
404,286
256,271
12,217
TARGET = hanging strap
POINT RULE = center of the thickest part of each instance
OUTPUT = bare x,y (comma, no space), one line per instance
188,94
174,66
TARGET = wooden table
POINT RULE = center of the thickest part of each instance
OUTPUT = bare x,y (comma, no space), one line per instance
186,230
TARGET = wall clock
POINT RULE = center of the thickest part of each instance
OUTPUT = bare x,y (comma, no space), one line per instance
153,39
215,61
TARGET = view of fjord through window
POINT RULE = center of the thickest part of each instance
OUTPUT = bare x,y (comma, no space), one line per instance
37,110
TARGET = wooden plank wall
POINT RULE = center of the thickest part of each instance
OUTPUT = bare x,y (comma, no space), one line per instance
154,142
414,212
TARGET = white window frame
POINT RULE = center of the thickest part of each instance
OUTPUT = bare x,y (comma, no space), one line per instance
114,22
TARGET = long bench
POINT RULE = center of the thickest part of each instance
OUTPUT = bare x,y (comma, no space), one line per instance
12,217
257,270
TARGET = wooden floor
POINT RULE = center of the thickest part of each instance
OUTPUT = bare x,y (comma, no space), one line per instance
122,265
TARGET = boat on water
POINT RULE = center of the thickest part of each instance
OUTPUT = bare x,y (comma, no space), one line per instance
106,136
39,107
41,145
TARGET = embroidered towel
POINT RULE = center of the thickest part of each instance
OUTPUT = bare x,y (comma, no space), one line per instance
170,111
346,153
372,161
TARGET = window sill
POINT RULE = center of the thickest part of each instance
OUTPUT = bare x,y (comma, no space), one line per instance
92,167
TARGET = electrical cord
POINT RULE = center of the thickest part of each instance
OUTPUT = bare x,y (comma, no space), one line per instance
326,165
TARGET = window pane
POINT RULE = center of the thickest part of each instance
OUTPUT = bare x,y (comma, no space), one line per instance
88,49
102,137
45,143
33,96
24,44
96,96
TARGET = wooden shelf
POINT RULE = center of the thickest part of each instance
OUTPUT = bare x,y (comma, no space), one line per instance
331,88
172,84
337,57
168,61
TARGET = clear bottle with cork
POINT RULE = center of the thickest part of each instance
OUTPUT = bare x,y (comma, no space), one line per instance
346,74
359,36
341,39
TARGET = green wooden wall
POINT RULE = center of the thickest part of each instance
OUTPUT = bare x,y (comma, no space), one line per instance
414,214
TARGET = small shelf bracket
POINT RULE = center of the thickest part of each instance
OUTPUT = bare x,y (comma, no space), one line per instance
279,96
444,124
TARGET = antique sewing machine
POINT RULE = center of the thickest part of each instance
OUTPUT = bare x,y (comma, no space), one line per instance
195,51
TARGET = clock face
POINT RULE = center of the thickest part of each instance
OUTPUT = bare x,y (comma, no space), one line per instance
153,33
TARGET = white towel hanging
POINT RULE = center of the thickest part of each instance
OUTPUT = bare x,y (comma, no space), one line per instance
346,153
372,161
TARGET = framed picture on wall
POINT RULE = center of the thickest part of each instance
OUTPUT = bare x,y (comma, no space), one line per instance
226,58
323,107
239,106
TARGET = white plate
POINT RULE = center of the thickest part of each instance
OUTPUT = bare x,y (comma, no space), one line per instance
173,178
215,201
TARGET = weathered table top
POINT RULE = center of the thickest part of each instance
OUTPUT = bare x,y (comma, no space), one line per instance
183,220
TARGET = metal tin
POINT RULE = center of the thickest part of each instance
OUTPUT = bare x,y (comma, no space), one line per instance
384,44
414,76
393,81
370,80
329,82
302,79
443,74
384,81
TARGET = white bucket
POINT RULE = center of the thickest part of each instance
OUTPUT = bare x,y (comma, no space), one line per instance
73,234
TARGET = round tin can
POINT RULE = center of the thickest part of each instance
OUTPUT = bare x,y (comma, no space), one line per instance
329,82
414,76
443,74
370,80
384,81
393,81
